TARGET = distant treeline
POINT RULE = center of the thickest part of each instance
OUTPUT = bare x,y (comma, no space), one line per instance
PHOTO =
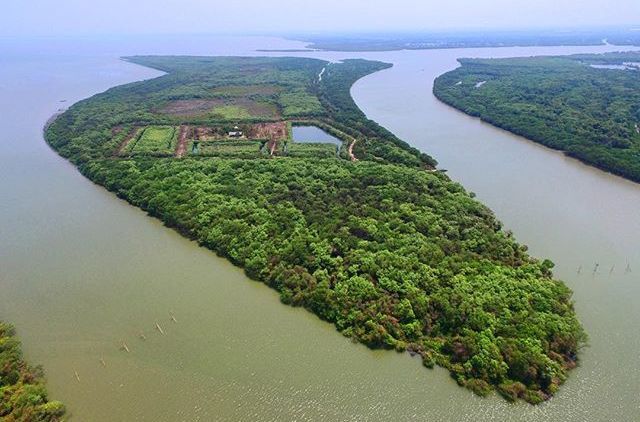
591,113
468,39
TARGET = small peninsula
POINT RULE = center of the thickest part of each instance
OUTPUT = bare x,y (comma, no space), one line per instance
364,233
586,105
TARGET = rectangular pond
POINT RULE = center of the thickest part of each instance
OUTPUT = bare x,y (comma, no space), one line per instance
313,134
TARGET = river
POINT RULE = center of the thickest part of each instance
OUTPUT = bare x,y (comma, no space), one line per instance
81,271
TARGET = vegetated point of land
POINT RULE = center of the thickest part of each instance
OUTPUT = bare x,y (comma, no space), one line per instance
366,235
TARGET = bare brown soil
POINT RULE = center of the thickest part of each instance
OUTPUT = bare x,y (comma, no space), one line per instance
181,146
203,133
351,156
275,130
270,131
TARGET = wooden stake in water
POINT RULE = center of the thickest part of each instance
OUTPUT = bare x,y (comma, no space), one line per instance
142,336
103,363
595,269
579,269
173,318
125,347
77,376
159,328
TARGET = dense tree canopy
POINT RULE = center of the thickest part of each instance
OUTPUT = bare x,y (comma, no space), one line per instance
586,105
393,253
23,396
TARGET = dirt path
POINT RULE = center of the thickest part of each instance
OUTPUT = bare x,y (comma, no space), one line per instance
321,73
126,141
272,147
353,157
181,146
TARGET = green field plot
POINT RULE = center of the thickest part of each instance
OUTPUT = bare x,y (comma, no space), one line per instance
231,112
154,140
311,150
227,149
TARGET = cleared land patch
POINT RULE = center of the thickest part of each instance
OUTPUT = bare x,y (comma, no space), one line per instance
255,140
190,107
233,108
231,112
181,146
275,130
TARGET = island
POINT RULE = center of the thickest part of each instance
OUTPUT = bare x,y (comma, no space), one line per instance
340,217
23,396
587,105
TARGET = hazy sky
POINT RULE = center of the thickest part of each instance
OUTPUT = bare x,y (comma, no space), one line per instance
82,17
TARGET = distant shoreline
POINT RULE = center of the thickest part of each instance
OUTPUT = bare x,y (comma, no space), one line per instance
371,42
348,47
288,50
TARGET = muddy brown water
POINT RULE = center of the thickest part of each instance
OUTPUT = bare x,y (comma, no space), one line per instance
81,272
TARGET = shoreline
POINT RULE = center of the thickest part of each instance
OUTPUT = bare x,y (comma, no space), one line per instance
53,118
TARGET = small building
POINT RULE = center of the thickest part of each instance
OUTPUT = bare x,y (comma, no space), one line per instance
235,133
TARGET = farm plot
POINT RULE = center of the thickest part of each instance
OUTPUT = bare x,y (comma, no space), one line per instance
227,149
311,150
154,140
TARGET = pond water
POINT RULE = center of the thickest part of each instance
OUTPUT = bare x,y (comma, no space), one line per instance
81,271
313,134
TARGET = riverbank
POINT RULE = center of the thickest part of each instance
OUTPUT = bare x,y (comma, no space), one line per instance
587,113
23,395
52,119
